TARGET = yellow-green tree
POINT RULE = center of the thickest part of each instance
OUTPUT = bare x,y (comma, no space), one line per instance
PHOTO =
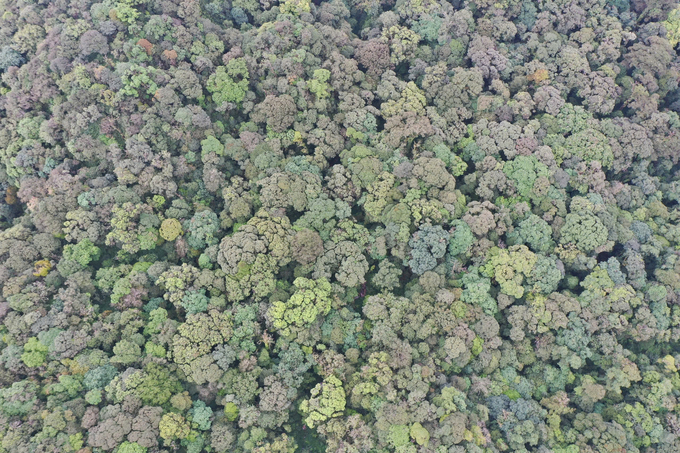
311,299
327,401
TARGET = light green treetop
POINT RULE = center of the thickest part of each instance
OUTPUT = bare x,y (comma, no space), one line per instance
312,298
509,267
327,401
229,83
585,230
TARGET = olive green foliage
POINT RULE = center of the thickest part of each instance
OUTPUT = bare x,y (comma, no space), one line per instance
173,426
170,229
419,434
535,233
398,436
410,226
126,352
18,399
154,385
310,300
523,171
327,401
138,80
229,83
584,230
211,145
296,7
131,447
231,411
509,267
35,353
83,252
318,84
672,24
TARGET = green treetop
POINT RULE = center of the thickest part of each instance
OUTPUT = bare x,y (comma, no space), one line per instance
327,401
35,353
585,230
83,252
312,298
509,267
229,83
173,426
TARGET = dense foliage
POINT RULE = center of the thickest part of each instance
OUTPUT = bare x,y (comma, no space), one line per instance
351,226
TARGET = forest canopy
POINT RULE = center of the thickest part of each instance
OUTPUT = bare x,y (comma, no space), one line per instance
346,226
